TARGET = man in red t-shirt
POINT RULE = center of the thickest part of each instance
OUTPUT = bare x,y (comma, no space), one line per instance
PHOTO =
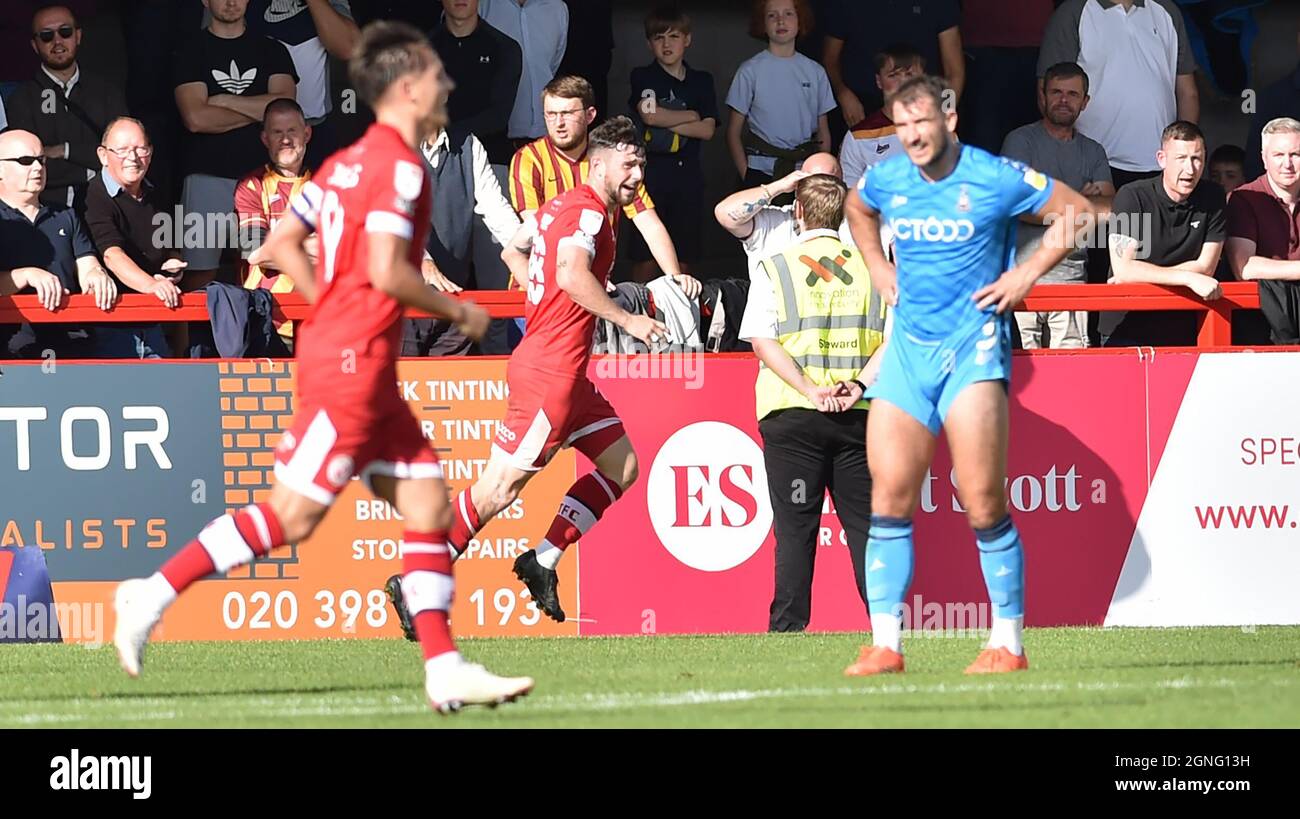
370,207
1264,230
562,258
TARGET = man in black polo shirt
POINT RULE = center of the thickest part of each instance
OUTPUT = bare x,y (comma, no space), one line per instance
36,243
1168,230
120,211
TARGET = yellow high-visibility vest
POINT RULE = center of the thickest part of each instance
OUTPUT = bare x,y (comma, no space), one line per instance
829,319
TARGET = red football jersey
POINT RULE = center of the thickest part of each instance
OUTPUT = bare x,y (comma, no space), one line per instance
376,185
557,338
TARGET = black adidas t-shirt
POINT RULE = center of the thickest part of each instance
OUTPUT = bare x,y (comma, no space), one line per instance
242,66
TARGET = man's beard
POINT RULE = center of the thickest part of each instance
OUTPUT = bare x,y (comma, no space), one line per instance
574,140
1061,119
58,62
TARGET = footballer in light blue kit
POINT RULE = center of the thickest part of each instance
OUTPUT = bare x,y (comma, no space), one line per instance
952,210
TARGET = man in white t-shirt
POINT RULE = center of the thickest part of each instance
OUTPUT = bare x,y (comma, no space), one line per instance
1140,62
764,229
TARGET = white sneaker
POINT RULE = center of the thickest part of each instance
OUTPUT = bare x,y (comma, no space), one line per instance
462,684
137,614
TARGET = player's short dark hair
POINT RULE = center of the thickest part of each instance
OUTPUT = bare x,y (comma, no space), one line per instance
571,87
615,134
821,197
1182,131
1228,155
919,88
758,18
282,105
1066,71
899,54
664,18
387,52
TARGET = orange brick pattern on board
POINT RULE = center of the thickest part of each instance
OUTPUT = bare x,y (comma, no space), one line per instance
256,404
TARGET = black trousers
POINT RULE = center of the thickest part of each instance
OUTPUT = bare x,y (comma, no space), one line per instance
806,453
1280,303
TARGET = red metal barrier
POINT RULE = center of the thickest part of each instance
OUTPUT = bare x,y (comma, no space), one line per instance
1215,318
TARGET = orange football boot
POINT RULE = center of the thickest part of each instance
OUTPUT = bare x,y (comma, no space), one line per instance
875,660
997,661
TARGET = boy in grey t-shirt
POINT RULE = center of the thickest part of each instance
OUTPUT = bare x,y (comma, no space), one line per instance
1052,146
778,99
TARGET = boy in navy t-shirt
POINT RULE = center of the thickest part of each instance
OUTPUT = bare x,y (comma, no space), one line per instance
677,109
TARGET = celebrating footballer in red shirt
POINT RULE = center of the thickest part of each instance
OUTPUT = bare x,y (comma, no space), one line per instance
370,206
562,258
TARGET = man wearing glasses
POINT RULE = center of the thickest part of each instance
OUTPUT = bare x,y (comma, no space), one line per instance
66,109
557,163
120,210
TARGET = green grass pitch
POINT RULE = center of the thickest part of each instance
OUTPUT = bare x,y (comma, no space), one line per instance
1211,677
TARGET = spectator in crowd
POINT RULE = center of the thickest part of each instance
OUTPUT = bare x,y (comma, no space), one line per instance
591,29
1169,230
129,226
809,405
541,28
225,77
1052,146
487,66
856,32
764,228
67,109
1264,230
465,194
1228,167
1281,99
1001,39
779,98
46,250
262,197
875,138
557,163
312,31
674,105
1137,89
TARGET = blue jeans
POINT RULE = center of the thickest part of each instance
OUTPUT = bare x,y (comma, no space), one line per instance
131,341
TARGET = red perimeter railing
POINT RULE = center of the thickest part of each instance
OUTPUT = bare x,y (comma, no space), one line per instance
1215,317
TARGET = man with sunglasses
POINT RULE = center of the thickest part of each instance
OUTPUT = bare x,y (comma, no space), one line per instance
45,251
65,108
